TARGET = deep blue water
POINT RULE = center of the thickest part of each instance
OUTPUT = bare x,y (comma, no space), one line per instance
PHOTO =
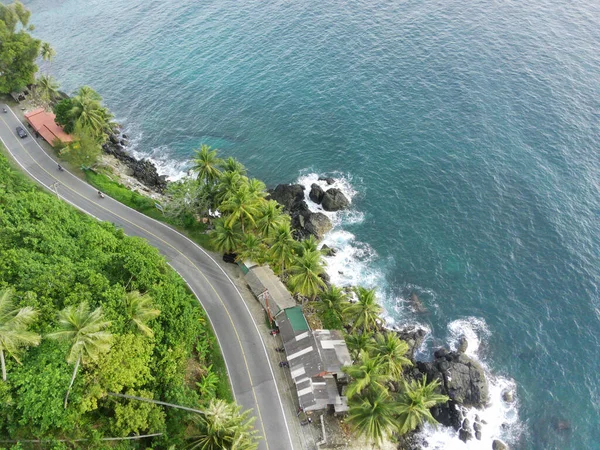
470,131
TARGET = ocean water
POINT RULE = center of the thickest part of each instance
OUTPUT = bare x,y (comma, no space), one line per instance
466,133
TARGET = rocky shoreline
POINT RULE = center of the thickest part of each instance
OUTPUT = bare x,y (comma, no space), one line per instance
461,378
143,170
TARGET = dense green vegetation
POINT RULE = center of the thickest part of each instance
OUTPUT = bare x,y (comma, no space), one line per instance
112,316
18,49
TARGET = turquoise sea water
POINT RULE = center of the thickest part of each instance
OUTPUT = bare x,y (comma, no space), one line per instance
469,131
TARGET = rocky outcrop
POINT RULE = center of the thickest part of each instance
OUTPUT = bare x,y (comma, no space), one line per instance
304,221
144,170
316,193
328,180
288,195
328,251
414,337
499,445
334,200
317,224
462,380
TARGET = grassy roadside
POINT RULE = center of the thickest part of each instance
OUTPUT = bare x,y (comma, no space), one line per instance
189,226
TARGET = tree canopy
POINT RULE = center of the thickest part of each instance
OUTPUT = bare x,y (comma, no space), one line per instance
18,49
56,259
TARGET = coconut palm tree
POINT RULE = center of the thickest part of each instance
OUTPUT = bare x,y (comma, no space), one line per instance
240,205
224,426
309,244
88,112
47,88
304,274
368,373
225,238
393,350
140,310
206,164
415,403
333,301
229,184
13,328
233,165
257,188
47,52
358,342
364,314
373,416
84,330
283,246
252,248
270,218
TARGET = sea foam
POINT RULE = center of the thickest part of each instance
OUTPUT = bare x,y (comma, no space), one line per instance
356,263
499,419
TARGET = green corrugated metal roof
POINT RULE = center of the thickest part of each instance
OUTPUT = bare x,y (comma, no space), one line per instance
296,318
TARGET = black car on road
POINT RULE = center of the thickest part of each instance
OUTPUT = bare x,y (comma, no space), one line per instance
21,132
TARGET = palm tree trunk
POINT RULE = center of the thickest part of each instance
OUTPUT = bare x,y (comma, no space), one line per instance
72,381
3,365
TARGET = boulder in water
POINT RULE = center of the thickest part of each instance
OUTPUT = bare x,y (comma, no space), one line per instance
316,193
416,303
508,396
317,224
328,180
465,434
463,344
328,251
499,445
288,195
334,200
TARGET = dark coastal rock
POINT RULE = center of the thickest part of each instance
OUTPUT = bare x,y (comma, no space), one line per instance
316,193
326,279
123,142
328,251
508,396
465,382
304,222
462,379
146,172
440,352
465,434
328,180
317,224
463,344
334,200
499,445
288,195
414,337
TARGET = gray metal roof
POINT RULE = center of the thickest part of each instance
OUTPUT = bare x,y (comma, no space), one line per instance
333,350
267,287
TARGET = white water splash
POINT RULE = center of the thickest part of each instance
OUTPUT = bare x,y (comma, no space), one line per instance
499,420
162,157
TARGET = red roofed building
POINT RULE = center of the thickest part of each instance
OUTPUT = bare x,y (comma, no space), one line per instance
43,122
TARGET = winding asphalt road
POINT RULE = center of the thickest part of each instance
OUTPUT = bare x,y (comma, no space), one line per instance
248,365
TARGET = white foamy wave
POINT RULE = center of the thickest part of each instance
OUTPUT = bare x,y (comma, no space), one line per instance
165,164
473,329
161,156
354,261
499,420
